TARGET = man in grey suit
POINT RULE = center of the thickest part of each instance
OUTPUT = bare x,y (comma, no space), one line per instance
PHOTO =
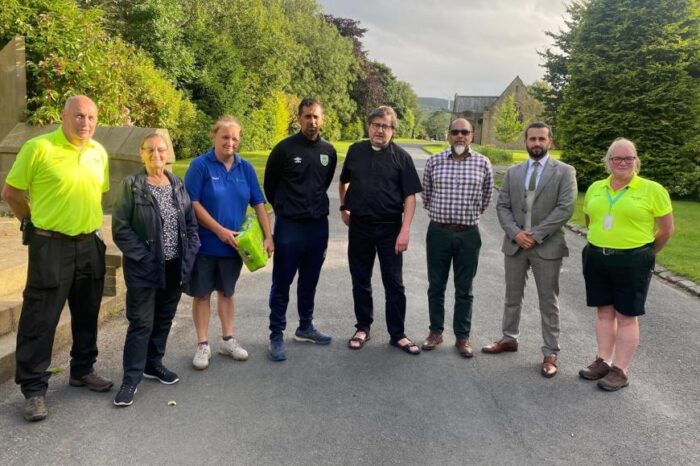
537,198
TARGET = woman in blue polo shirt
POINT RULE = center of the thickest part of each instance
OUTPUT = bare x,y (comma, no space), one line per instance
221,185
629,221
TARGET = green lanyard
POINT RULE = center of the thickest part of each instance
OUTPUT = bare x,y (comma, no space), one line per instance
613,200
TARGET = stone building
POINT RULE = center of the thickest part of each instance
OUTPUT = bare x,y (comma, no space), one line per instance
481,110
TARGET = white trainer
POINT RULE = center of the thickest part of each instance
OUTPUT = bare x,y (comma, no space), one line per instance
202,357
234,349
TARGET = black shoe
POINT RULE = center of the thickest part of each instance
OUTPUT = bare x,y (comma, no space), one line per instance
92,381
161,374
35,408
125,396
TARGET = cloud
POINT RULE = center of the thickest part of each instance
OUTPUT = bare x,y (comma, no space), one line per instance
472,47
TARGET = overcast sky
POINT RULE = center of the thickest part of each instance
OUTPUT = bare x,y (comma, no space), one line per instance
443,47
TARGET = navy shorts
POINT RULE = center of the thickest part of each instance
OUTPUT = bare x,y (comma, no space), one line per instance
214,273
621,280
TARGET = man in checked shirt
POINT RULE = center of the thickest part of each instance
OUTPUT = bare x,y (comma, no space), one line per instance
457,188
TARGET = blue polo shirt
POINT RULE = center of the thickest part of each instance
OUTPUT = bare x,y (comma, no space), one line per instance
225,195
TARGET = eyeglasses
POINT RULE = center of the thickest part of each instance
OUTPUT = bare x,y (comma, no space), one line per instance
463,132
152,150
621,160
381,126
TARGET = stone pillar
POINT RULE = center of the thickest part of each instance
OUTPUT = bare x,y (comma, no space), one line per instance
13,85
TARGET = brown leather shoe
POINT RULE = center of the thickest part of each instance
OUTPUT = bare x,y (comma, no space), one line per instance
596,370
464,348
92,381
432,341
549,366
500,346
615,380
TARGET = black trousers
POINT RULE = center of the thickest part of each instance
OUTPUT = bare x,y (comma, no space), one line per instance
150,312
59,269
366,240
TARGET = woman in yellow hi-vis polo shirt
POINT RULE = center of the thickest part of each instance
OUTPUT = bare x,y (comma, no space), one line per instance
629,221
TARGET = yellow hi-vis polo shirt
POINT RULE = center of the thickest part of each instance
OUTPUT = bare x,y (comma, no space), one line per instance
633,213
65,184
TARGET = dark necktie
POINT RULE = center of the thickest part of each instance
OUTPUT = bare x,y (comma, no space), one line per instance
533,178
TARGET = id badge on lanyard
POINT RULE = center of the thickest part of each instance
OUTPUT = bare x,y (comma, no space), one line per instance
609,219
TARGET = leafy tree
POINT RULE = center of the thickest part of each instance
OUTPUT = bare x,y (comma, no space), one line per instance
508,122
436,125
323,65
555,64
155,26
634,71
63,60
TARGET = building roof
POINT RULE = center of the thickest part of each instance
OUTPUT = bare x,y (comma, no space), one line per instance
472,103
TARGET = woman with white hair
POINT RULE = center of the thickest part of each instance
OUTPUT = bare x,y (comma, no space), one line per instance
629,220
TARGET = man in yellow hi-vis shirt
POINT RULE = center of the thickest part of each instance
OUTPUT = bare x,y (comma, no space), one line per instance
65,173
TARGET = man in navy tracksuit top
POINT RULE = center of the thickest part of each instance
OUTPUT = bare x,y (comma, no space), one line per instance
298,173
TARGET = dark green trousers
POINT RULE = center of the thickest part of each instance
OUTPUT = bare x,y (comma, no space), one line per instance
461,250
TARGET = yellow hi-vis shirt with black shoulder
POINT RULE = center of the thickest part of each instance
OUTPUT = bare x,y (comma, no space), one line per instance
65,184
631,216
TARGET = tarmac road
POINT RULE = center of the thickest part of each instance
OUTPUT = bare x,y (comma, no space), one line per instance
330,405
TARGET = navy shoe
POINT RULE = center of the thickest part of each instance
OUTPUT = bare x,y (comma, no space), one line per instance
162,375
125,395
312,335
277,351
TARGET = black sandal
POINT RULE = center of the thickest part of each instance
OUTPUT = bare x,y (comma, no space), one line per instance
407,347
359,340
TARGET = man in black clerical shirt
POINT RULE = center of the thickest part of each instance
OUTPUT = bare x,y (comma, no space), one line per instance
378,185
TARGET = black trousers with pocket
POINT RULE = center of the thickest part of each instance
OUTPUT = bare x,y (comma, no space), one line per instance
60,270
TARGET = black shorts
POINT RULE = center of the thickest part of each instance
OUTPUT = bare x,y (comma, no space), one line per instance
214,273
620,280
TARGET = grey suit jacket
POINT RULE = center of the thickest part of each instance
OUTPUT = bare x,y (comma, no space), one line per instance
555,200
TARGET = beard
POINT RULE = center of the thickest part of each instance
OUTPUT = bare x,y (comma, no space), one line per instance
537,152
459,149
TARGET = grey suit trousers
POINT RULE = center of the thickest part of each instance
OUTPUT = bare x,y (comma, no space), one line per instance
546,273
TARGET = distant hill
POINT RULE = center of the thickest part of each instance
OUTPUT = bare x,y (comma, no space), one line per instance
433,104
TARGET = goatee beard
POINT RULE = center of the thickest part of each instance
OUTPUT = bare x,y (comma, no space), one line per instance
459,150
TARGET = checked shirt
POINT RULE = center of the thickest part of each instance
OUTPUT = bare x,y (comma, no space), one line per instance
457,191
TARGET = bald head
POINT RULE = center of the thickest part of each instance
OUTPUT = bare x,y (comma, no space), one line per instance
79,119
461,133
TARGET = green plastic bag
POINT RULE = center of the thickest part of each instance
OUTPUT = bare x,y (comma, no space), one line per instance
250,244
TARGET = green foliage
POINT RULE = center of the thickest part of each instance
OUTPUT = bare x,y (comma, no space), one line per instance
508,122
354,131
180,64
436,125
155,26
63,60
633,70
497,156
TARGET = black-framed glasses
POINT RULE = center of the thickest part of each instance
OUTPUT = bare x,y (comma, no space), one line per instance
621,160
463,132
381,126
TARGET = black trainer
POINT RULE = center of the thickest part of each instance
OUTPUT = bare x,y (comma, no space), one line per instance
161,374
125,396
